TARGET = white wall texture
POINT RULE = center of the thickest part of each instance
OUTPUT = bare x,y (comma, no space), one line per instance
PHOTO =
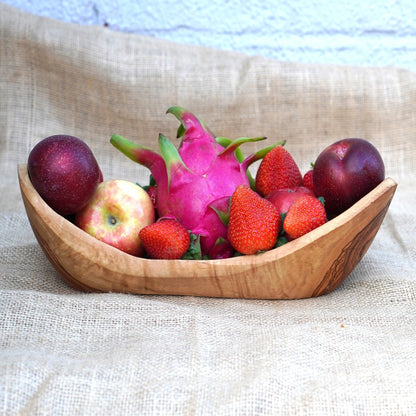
353,32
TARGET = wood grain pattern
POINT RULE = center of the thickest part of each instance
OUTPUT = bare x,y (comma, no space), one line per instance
312,265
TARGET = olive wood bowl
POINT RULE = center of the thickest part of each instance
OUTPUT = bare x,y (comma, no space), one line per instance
309,266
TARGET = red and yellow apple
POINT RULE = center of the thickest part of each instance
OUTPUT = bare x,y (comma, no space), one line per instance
116,213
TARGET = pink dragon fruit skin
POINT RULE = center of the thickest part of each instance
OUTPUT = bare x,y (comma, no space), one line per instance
198,148
195,182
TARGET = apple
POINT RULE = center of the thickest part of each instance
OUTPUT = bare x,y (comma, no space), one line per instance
116,213
345,171
64,172
283,198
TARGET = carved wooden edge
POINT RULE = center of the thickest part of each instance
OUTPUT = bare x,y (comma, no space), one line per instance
346,261
350,256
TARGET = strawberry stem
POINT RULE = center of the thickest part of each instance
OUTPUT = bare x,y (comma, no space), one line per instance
194,250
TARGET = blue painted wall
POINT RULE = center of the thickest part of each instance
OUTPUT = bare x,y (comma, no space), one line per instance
356,32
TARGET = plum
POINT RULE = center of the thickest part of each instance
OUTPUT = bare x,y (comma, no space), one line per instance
65,173
283,198
345,171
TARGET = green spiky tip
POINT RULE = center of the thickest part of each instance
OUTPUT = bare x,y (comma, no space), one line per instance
134,151
179,113
120,142
230,145
233,145
170,155
224,216
169,152
261,153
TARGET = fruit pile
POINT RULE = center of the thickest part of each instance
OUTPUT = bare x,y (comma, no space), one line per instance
202,201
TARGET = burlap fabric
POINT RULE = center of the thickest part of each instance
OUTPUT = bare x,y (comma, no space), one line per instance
352,352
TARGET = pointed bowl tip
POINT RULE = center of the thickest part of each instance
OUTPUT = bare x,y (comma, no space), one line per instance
310,266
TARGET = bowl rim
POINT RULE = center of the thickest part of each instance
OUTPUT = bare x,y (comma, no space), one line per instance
271,255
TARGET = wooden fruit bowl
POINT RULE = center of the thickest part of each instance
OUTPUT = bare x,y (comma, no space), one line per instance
312,265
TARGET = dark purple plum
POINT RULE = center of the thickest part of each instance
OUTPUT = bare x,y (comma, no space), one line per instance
65,173
345,171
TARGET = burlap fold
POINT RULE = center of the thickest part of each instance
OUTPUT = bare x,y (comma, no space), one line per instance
62,352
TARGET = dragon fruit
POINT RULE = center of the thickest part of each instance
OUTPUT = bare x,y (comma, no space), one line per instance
195,182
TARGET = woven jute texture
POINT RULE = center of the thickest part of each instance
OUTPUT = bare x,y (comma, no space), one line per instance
63,352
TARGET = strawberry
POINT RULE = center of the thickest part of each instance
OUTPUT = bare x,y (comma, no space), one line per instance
307,180
304,215
165,239
277,170
254,222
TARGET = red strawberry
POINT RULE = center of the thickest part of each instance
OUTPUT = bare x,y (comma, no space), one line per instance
165,239
307,180
254,223
277,170
304,215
